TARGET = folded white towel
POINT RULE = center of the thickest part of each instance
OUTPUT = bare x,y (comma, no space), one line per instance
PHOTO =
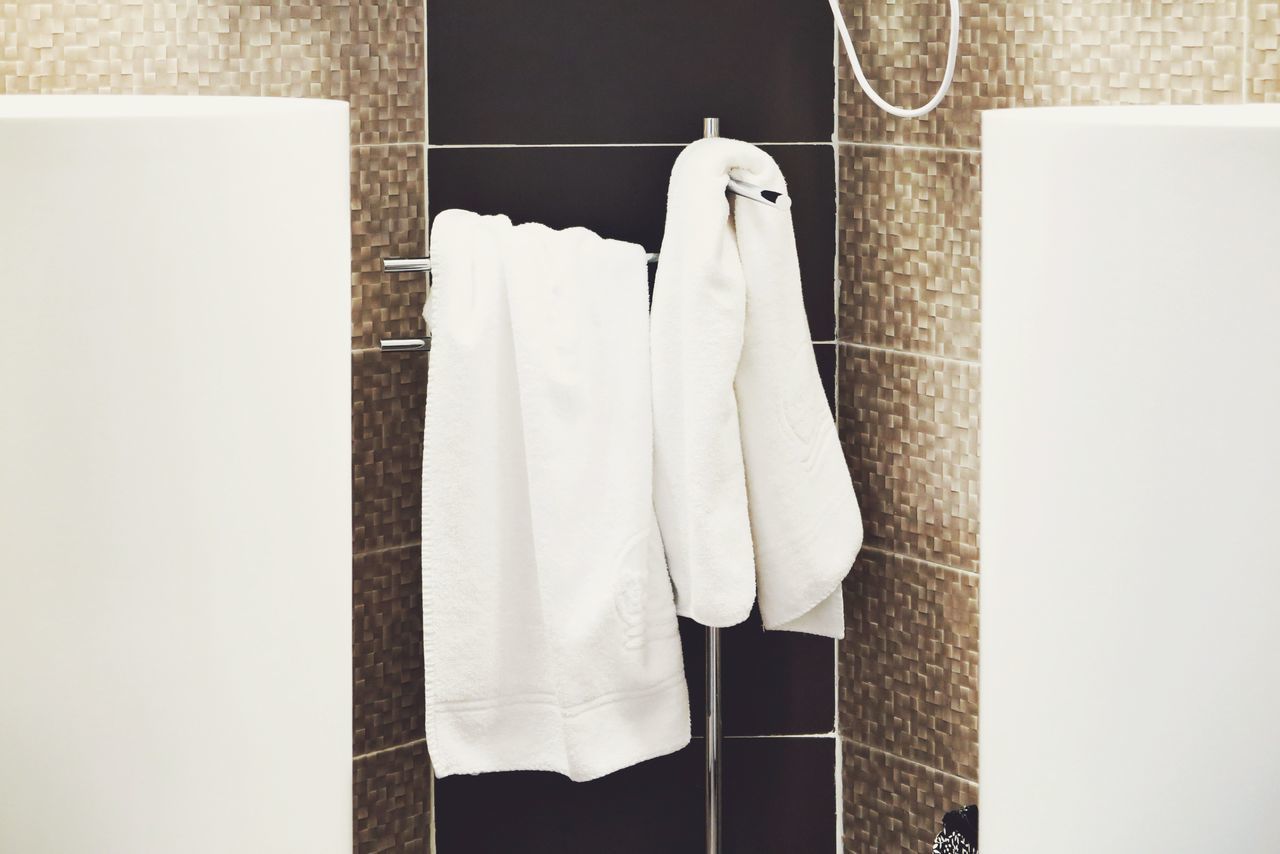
549,626
751,486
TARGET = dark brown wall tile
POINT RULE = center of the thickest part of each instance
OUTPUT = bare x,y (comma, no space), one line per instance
386,632
388,394
392,801
388,220
892,806
655,806
779,796
365,51
1263,71
909,250
909,425
585,71
1034,52
909,662
775,683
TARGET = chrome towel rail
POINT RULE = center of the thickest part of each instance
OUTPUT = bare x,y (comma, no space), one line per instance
742,189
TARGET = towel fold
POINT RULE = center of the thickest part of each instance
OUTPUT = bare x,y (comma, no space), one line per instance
549,624
751,486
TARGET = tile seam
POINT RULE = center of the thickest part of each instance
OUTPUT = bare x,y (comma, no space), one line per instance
1245,36
923,765
362,146
932,563
526,145
934,356
386,549
372,753
813,735
904,146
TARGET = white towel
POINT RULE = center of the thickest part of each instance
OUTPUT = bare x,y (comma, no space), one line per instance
751,487
549,623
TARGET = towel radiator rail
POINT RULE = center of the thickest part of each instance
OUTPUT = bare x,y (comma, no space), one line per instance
742,189
714,732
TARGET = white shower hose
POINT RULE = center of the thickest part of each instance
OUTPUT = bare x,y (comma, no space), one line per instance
870,90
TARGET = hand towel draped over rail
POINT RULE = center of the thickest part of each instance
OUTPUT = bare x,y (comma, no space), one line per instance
423,265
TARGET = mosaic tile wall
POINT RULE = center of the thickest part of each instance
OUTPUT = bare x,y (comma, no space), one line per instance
909,333
372,53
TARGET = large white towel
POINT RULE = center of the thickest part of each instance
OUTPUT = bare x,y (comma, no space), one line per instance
751,487
549,623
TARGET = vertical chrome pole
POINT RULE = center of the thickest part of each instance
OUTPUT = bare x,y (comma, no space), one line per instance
711,128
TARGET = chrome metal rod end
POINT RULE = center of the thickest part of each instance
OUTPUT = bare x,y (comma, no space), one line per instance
406,265
404,345
710,128
758,194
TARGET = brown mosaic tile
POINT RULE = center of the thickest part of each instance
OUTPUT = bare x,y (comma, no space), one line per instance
392,801
387,649
1263,71
909,425
386,71
1034,52
909,661
893,806
388,219
365,51
909,245
388,394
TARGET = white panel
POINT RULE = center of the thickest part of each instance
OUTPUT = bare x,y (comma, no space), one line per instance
1130,673
175,587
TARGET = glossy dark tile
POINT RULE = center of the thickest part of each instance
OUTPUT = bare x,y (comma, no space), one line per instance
776,683
580,71
386,629
693,642
780,796
388,394
622,192
392,796
826,357
650,807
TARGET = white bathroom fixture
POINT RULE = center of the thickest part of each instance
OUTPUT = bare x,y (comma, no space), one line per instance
1130,480
175,538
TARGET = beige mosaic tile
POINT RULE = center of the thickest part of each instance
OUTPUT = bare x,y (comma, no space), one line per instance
909,662
365,51
1035,52
391,802
1263,71
389,392
895,807
909,245
386,633
909,425
388,219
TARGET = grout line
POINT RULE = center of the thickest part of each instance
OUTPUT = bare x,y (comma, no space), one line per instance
913,762
900,146
934,564
781,735
835,404
373,753
434,146
935,356
385,549
1244,55
361,146
426,243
